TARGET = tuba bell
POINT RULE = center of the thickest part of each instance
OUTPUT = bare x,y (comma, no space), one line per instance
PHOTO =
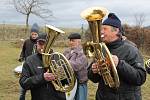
57,63
97,49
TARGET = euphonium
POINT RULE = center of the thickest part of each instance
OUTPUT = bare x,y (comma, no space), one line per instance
147,63
57,63
97,49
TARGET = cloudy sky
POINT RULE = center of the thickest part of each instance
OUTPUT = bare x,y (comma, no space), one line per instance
67,12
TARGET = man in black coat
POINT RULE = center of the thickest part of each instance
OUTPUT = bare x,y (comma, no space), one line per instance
35,77
128,61
29,44
27,50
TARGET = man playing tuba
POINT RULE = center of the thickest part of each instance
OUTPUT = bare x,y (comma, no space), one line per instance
128,61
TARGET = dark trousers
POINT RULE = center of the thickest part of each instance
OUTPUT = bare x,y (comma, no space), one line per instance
22,93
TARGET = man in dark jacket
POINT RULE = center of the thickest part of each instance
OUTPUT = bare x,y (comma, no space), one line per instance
128,61
37,79
27,50
28,45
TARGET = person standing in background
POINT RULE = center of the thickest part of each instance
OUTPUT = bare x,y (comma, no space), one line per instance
79,64
28,45
27,50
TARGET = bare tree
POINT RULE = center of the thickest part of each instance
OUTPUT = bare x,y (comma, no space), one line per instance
35,7
139,19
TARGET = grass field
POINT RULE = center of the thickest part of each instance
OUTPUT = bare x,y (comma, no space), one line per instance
9,87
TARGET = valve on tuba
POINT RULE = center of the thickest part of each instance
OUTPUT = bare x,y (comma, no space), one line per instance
57,63
97,49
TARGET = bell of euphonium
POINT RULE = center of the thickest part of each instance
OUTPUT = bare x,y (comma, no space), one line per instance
97,48
57,63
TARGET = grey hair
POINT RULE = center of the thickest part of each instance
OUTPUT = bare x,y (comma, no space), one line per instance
119,34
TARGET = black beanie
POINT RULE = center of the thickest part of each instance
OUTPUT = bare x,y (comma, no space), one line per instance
74,36
35,28
113,20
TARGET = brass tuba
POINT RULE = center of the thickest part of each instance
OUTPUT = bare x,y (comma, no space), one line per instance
57,63
97,49
147,63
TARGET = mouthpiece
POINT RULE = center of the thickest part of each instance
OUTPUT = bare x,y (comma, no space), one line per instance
102,36
42,50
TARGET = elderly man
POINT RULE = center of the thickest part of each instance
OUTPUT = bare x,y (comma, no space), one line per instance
128,61
79,63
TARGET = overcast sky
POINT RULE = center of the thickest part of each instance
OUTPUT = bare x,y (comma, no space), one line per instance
67,12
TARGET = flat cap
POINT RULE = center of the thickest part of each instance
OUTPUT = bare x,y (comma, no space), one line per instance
74,36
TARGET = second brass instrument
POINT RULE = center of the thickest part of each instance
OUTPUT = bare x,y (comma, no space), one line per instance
97,49
57,63
147,63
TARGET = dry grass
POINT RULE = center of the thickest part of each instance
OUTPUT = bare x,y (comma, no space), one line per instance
9,87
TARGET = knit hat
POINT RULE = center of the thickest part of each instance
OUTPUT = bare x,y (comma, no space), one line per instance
113,20
74,36
35,28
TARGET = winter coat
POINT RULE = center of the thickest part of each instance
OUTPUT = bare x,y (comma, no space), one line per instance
33,79
27,48
29,44
130,70
78,62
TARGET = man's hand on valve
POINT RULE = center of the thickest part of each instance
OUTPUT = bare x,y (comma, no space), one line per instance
96,67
